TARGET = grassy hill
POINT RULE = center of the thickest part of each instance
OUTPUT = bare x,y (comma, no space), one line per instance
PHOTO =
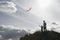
47,35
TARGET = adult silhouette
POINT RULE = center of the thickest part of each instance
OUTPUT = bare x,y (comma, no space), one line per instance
44,25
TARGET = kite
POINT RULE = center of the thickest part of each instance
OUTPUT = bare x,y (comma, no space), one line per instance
29,9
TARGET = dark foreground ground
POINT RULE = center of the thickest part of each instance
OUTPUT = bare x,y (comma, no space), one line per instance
47,35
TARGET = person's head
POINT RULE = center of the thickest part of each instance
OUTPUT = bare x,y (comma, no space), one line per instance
43,21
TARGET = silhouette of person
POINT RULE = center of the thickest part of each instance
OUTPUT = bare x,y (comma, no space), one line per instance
41,28
44,25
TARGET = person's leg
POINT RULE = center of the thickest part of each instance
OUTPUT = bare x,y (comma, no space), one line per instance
45,28
41,28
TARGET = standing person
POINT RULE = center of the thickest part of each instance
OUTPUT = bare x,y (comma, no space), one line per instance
44,25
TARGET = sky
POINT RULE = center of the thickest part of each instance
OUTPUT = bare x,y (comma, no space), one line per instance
14,18
15,21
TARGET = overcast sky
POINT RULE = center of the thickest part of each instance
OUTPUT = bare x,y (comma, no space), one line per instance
13,15
15,21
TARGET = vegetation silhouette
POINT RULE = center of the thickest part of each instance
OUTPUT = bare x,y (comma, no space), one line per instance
47,35
44,34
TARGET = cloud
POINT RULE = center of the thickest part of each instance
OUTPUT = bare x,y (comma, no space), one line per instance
8,33
8,7
5,0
